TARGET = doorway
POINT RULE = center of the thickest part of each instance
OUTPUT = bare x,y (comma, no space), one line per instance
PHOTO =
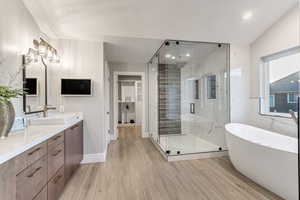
129,104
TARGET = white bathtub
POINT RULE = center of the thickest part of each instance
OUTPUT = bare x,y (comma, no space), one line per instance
268,158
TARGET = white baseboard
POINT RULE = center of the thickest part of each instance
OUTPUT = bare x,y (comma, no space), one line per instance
145,134
94,158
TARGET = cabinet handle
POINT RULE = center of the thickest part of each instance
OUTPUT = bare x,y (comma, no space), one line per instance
31,153
56,179
57,137
56,153
35,171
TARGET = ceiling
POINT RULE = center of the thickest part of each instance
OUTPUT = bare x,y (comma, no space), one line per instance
122,50
199,20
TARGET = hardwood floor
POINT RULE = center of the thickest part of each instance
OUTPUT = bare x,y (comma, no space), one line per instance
135,170
130,132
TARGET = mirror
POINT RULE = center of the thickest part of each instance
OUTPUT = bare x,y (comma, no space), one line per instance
35,76
34,79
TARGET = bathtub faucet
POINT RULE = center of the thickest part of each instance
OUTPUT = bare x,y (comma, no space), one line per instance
294,117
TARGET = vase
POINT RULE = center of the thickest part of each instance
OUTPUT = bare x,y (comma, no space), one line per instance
7,118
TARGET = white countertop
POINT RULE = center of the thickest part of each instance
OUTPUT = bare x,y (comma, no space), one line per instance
19,142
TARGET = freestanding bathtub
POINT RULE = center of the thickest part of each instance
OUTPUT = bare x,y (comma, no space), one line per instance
268,158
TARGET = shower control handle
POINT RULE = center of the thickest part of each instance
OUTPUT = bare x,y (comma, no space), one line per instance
192,108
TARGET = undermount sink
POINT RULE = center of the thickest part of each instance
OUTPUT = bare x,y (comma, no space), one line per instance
58,119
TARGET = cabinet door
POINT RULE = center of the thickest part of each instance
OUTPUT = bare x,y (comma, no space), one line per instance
42,195
68,154
73,149
81,142
78,140
8,181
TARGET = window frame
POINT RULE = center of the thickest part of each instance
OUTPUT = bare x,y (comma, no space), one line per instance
288,97
264,89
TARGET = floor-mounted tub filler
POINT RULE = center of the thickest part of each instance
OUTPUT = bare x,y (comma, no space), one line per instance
268,158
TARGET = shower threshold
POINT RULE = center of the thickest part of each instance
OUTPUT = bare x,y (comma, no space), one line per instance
187,147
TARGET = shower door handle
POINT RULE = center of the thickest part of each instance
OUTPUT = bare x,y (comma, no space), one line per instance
192,108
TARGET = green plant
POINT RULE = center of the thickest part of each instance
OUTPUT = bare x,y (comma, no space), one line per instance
7,93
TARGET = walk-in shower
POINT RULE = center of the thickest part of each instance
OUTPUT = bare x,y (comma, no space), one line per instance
189,97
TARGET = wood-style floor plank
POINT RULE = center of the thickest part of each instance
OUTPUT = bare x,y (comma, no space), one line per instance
135,170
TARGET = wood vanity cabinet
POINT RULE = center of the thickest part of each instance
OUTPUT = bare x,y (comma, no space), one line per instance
8,180
73,149
41,172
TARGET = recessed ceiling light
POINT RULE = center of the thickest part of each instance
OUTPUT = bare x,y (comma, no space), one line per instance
173,57
188,55
168,55
247,15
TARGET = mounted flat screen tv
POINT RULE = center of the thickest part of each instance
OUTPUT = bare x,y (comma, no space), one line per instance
76,87
31,86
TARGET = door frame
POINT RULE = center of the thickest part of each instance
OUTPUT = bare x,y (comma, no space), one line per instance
115,97
107,103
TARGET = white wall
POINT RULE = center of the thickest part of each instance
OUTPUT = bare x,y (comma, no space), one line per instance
17,31
239,83
281,36
82,59
139,102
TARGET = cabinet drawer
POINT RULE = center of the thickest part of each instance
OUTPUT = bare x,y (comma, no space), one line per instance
32,180
56,158
56,140
42,195
56,185
30,156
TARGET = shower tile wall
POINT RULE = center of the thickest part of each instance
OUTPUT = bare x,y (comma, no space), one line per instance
169,86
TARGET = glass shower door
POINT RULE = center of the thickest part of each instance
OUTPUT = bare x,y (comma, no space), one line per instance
191,94
153,99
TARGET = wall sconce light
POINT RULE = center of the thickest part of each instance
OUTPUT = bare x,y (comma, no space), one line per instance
31,56
42,49
54,58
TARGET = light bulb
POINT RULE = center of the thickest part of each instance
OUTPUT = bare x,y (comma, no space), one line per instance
32,55
50,53
43,48
247,15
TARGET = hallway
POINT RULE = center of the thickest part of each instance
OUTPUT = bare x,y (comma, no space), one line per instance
135,170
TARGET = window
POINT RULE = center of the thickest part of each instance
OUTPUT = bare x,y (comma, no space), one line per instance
280,80
211,87
292,98
272,101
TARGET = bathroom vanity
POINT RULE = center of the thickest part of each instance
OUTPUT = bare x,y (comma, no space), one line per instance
37,163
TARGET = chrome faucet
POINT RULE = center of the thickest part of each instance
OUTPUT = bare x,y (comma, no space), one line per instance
46,108
28,108
294,117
